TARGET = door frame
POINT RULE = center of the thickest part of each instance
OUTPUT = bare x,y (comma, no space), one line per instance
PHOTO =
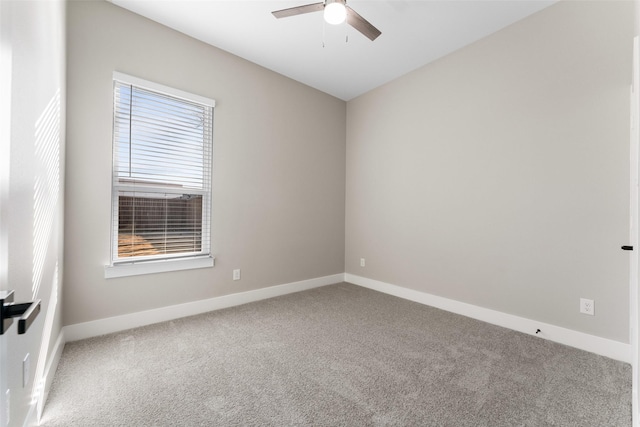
634,293
5,152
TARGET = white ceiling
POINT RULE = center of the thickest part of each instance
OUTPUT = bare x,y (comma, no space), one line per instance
338,60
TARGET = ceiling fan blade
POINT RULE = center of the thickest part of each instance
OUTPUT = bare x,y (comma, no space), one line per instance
361,24
298,10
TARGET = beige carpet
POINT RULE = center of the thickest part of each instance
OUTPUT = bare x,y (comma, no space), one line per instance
339,355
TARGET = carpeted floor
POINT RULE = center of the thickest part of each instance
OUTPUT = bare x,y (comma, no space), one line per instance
339,355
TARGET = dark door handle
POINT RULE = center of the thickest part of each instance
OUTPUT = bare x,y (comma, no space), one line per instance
627,248
27,312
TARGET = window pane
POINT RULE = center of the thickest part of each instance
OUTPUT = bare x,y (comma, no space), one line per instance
160,225
161,139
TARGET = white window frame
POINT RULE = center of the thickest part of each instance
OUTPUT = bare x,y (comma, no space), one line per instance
154,264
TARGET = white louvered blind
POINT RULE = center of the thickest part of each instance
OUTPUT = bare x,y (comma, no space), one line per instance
162,155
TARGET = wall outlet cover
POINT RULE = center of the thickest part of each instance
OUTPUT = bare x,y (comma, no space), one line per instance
587,306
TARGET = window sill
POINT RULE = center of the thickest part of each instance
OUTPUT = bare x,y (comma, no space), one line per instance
151,267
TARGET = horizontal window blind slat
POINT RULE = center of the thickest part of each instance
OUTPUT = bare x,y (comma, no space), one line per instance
190,120
169,126
165,134
163,181
162,98
166,148
146,191
161,126
158,163
174,112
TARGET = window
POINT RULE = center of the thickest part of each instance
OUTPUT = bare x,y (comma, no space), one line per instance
161,191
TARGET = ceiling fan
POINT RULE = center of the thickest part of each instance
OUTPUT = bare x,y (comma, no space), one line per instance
335,12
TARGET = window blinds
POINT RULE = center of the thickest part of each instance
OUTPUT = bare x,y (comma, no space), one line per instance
161,175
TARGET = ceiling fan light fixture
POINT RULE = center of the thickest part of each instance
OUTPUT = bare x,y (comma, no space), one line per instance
335,12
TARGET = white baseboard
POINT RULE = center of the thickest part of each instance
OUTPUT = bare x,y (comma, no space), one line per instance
50,371
598,345
120,323
602,346
31,419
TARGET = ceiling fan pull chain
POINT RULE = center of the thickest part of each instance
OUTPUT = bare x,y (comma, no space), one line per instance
346,31
323,33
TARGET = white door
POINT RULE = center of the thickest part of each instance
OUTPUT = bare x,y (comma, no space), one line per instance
633,272
5,133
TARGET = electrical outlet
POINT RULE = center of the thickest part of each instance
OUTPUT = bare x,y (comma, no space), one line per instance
587,306
362,262
236,274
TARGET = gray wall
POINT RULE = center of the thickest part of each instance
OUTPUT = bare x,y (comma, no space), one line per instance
33,90
499,175
279,167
